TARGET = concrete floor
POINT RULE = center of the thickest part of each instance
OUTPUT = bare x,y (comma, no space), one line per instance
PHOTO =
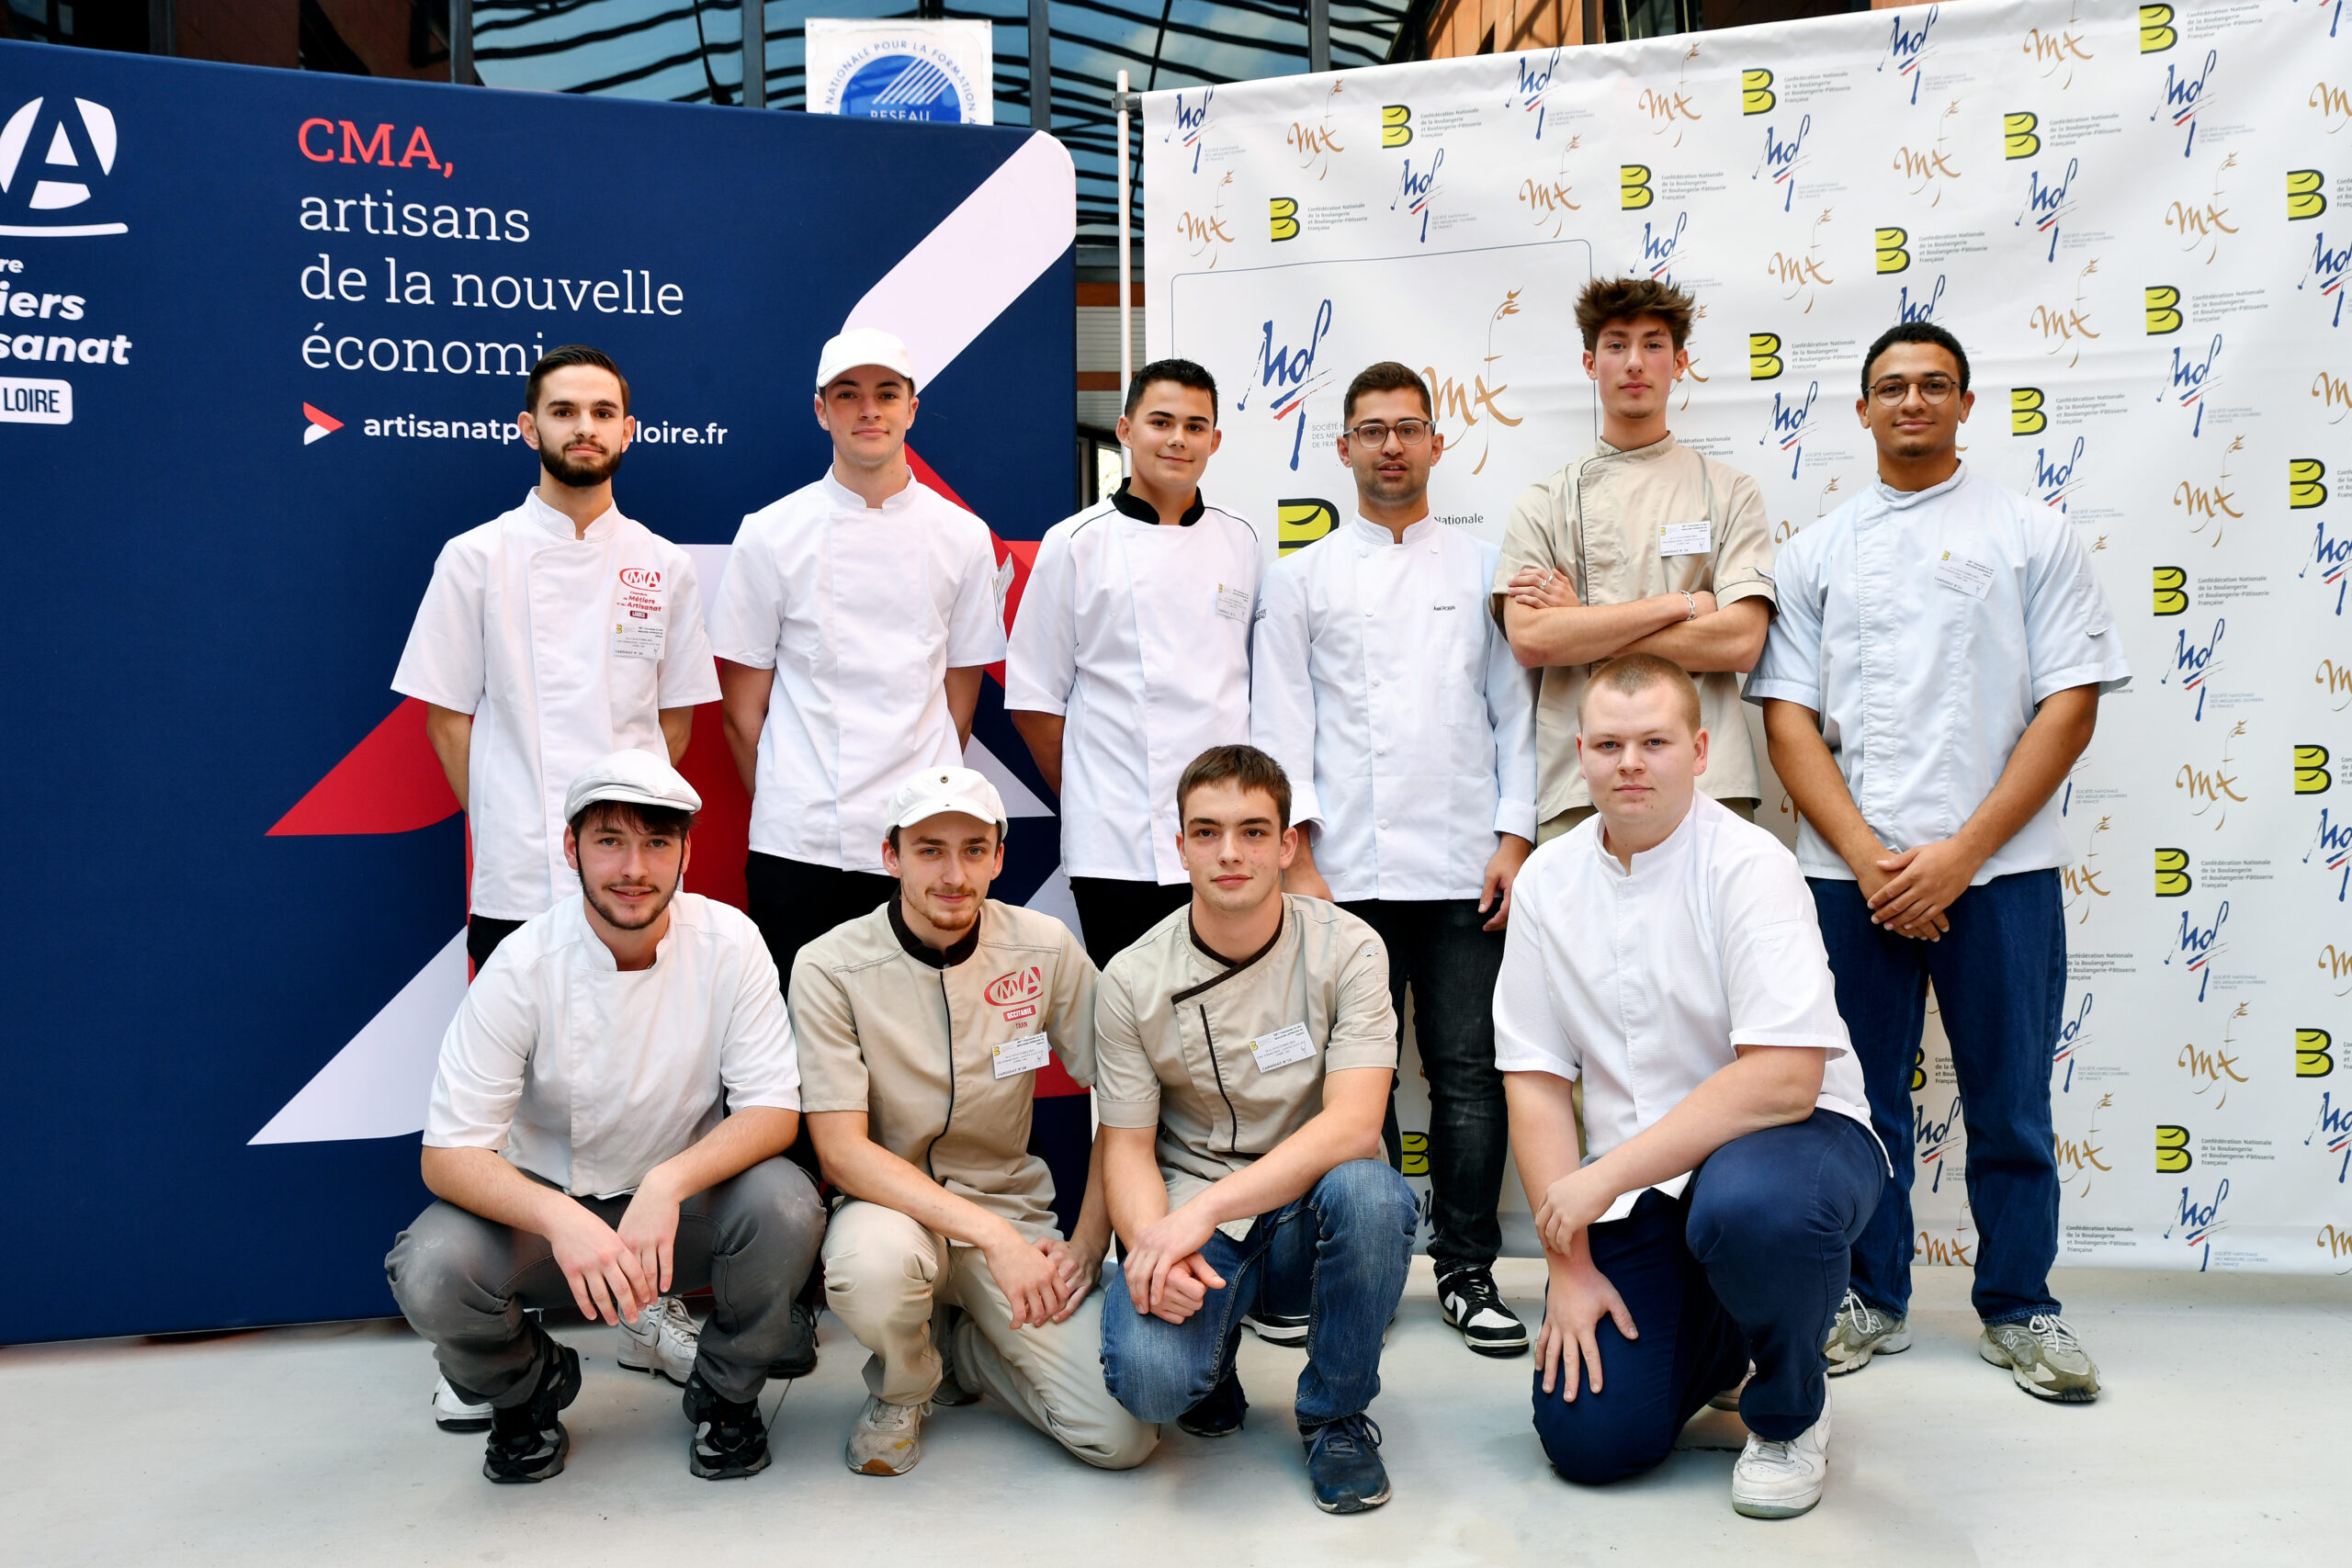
2219,1440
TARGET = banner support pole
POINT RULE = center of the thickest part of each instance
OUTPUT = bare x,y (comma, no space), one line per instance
1318,34
1127,269
462,42
1041,67
755,54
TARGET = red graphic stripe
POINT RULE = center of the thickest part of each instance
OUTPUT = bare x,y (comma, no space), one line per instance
390,783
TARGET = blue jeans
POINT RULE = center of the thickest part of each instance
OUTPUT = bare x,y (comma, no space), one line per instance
2000,978
1344,1248
1749,1262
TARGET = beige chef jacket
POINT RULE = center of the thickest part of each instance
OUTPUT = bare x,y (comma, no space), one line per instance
1175,1025
911,1036
1599,520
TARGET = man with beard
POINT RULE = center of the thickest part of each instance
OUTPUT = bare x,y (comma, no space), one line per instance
923,1027
606,1126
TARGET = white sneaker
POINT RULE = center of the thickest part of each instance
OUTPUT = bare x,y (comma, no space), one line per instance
452,1413
1779,1480
661,1339
888,1439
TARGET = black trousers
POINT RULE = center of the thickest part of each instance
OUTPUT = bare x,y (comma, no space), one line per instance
484,933
1116,913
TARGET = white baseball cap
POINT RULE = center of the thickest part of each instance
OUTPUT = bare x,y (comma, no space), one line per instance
933,792
863,345
630,778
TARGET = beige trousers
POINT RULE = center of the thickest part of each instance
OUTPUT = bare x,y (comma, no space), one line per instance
1551,827
884,1274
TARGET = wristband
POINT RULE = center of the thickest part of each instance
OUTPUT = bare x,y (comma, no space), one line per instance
1694,605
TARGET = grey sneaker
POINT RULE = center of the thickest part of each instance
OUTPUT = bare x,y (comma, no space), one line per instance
1861,1332
888,1439
663,1339
2044,1357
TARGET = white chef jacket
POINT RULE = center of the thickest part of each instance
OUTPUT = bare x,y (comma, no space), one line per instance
589,1075
1640,983
861,612
564,650
1924,627
1392,701
1138,635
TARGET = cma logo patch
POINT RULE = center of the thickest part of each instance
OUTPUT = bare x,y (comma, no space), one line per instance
1020,985
641,577
1299,523
51,153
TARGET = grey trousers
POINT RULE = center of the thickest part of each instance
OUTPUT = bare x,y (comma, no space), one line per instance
463,1281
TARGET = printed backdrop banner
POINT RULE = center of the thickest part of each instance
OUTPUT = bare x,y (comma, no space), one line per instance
2139,221
265,334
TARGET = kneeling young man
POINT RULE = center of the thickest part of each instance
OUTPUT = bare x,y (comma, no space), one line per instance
608,1124
1245,1050
923,1026
1666,955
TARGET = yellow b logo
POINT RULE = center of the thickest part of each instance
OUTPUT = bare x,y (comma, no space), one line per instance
1918,1068
2026,417
2311,1054
2310,770
2172,873
2306,482
1633,186
1300,522
1892,256
2155,29
1283,217
2164,313
2172,1150
2017,140
1416,1148
1396,125
1756,96
1763,356
2304,197
2172,590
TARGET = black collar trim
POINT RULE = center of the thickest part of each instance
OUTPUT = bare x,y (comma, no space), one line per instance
1142,512
922,952
1228,966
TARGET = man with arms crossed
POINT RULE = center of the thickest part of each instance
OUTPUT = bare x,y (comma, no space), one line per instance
1665,957
921,1029
1643,546
613,1099
1130,656
549,636
1936,673
1380,684
1244,1052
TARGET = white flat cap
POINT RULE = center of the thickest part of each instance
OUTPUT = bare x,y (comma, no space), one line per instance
630,778
863,345
933,792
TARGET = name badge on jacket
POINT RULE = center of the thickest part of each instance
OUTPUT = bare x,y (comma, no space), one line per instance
638,629
1686,538
1282,1047
1025,1054
1961,575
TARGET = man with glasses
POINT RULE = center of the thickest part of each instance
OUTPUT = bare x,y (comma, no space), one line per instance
1644,546
1383,689
1935,673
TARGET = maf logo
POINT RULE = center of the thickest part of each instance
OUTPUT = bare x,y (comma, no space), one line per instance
2172,873
2310,770
79,147
1756,95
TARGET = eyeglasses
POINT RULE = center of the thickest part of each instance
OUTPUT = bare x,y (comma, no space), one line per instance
1891,391
1376,432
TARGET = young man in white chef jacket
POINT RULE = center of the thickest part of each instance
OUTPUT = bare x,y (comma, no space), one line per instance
1391,697
1131,657
549,636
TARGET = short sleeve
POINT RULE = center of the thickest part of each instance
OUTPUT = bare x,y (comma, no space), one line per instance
1126,1092
1742,563
1282,681
757,1062
1510,717
1041,655
747,622
689,678
444,662
2070,635
976,623
1527,1037
1528,540
1777,984
1789,666
1363,1018
824,1028
1069,1026
485,1055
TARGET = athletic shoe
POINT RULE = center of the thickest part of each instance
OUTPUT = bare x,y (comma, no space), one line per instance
730,1442
661,1339
888,1439
452,1413
1277,1328
1343,1464
2044,1357
1470,1303
951,1390
1219,1415
1861,1331
799,1358
526,1441
1779,1480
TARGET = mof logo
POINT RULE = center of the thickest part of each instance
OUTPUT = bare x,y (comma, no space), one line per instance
2312,775
1764,356
1301,521
2332,1132
2172,877
2190,379
1661,247
1893,253
1921,309
2026,416
2197,1223
2306,194
2331,846
2331,558
1790,418
1281,214
1907,49
2020,137
2047,203
1290,374
2327,267
2171,589
1397,125
2157,31
1535,86
1414,191
1756,95
2163,304
2184,96
2314,1054
1932,1139
1633,191
2072,1035
2197,946
2056,481
1191,122
75,143
2193,663
1781,160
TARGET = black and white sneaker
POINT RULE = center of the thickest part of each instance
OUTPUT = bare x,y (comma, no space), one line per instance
527,1442
1468,1299
1280,1328
730,1442
799,1358
1220,1413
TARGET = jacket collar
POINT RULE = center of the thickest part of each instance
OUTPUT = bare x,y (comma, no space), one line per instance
1226,967
922,952
1129,505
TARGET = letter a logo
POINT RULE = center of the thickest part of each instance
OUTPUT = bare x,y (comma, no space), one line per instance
2017,140
2026,416
1756,95
2172,1150
1283,217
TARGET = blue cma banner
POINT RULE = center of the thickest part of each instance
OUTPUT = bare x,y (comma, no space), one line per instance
266,334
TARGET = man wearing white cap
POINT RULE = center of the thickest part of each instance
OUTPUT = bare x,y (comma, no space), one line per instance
922,1028
855,621
605,1126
